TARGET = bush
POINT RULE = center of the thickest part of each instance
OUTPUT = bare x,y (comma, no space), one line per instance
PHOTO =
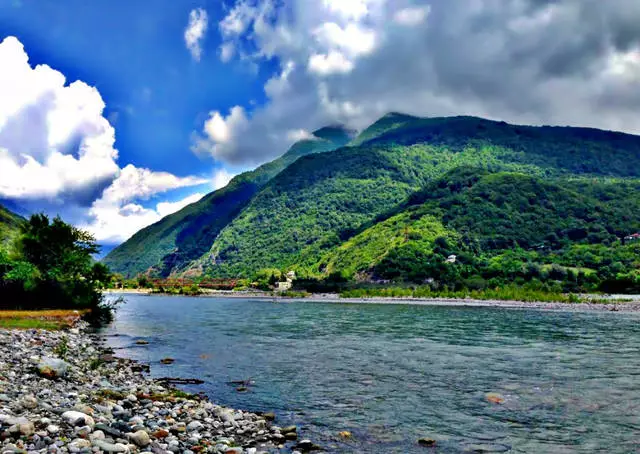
52,267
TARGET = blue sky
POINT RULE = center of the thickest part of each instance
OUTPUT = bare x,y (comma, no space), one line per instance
134,53
174,97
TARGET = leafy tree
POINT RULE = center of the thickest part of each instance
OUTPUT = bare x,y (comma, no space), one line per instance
53,267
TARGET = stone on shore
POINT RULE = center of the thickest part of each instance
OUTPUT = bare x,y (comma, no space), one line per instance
76,418
52,367
54,406
140,438
110,447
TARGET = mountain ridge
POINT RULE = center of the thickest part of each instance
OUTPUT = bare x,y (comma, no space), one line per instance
165,246
317,201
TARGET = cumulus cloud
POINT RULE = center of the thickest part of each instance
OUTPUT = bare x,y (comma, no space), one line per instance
331,63
57,152
41,118
167,208
221,178
117,214
195,31
113,223
136,183
351,61
411,16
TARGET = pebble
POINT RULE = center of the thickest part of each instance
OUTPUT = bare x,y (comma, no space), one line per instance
140,438
194,425
52,368
69,407
110,447
76,418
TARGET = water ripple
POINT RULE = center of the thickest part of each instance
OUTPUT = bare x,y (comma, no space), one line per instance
391,374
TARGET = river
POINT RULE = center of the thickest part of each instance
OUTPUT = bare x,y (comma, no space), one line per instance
391,374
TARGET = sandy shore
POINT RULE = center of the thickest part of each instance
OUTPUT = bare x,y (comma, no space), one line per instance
615,305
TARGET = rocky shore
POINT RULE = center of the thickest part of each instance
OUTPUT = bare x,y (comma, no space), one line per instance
63,392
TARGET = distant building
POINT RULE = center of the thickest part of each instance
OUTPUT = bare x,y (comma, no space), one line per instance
452,259
286,285
283,286
633,237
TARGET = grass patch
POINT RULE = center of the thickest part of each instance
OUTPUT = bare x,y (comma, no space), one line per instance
26,323
45,319
171,395
292,294
111,394
510,293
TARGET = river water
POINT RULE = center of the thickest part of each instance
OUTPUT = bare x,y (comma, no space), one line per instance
391,374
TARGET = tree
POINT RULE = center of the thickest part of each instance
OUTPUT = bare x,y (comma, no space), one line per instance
53,267
57,249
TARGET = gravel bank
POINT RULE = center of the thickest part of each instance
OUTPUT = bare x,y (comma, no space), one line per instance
616,303
626,306
91,402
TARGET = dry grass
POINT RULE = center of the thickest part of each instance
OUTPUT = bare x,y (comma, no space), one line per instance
45,319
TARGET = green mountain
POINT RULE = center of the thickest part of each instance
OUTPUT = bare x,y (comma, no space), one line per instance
321,200
9,226
166,246
479,216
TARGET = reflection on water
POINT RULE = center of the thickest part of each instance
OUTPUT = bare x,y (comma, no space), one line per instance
567,382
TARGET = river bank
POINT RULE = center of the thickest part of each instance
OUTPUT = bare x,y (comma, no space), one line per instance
63,391
616,303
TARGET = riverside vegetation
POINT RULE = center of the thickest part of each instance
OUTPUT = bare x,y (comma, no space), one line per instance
48,264
456,204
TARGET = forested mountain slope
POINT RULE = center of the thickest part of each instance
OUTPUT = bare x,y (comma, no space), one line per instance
169,244
480,216
9,226
320,200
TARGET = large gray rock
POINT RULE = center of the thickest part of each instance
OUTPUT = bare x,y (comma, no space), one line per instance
76,418
52,367
140,438
29,402
110,447
194,426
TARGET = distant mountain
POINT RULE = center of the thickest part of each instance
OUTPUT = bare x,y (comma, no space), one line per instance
9,226
406,189
472,210
168,245
319,201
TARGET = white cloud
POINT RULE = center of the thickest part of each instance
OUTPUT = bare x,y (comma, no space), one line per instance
411,16
134,183
41,117
195,31
349,9
113,224
221,134
296,135
167,208
117,214
352,39
227,50
221,178
351,61
334,62
57,153
238,19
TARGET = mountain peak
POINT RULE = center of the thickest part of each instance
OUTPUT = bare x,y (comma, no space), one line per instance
400,116
333,132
